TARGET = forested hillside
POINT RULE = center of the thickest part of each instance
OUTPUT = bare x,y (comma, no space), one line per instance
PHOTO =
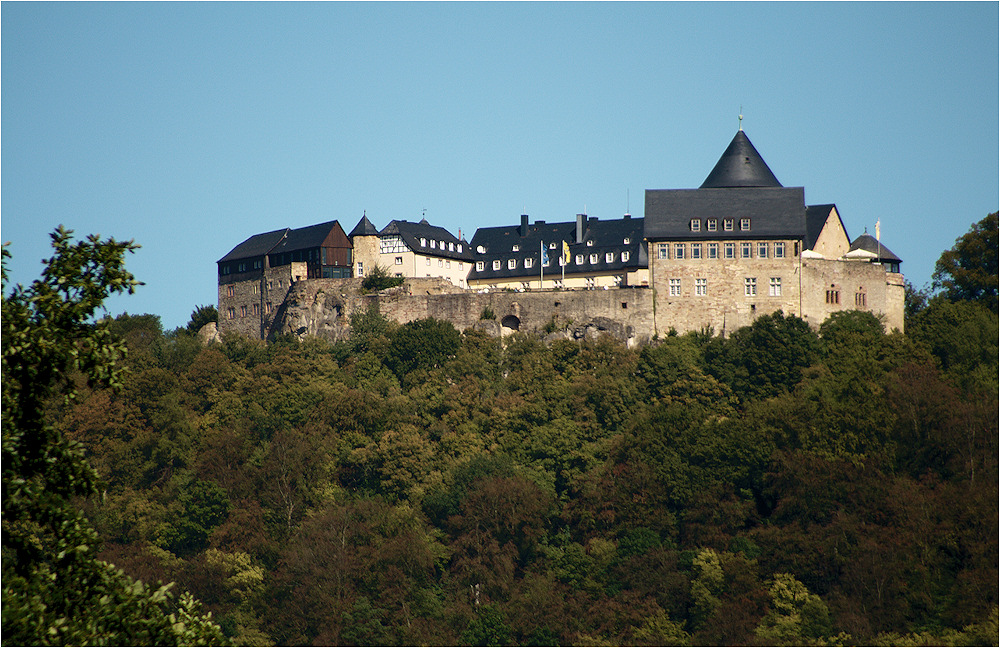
420,485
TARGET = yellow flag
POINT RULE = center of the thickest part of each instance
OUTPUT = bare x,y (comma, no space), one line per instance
565,253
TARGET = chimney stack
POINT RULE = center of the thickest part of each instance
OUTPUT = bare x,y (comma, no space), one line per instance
580,219
524,225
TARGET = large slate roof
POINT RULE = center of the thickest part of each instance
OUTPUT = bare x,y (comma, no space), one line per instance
740,166
603,236
869,243
304,238
255,246
411,233
774,212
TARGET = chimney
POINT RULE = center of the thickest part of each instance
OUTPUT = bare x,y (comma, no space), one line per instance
580,219
524,225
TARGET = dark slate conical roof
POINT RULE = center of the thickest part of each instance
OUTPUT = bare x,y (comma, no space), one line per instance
363,228
869,243
740,166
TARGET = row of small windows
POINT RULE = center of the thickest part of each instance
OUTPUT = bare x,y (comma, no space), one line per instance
434,245
711,250
749,287
529,262
712,224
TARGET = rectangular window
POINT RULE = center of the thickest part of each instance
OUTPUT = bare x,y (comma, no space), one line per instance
579,259
624,257
609,257
713,225
451,247
447,264
727,224
256,309
695,225
423,241
679,251
427,261
775,287
516,248
696,250
361,269
779,250
745,224
730,250
243,311
860,300
713,250
230,291
833,296
231,313
750,286
496,264
762,250
675,287
480,266
399,260
701,287
433,244
593,258
440,263
661,251
745,250
529,262
511,264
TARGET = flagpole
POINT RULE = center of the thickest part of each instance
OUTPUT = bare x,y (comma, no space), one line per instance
541,264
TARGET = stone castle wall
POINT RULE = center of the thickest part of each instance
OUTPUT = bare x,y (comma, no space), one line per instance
323,307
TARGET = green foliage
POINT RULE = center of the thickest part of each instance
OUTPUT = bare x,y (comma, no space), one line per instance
487,314
415,486
380,279
764,359
55,589
968,271
201,316
421,345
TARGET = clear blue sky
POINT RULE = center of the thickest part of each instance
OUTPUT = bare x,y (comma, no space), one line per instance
189,126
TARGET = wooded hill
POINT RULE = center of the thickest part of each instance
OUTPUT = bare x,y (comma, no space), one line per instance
418,485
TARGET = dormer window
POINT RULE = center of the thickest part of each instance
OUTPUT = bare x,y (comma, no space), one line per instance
451,247
593,258
479,266
713,225
442,244
624,257
744,224
516,248
590,244
609,257
627,240
496,264
459,248
579,259
433,244
727,224
695,225
423,242
529,262
511,264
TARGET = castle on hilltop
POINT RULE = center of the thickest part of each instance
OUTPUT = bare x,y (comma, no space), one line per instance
738,247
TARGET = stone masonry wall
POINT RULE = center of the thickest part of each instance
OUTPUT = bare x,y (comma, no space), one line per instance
323,306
